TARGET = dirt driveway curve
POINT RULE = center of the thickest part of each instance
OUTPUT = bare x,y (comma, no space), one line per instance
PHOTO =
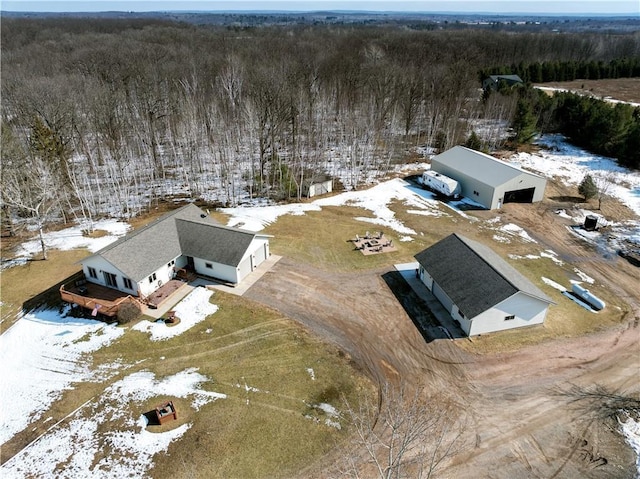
518,427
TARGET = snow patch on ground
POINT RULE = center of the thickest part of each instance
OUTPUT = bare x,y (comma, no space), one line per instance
124,448
553,284
330,415
583,276
71,238
42,355
193,309
557,158
515,230
549,254
631,431
375,199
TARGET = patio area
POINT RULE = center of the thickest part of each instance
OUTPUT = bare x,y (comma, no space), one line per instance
375,243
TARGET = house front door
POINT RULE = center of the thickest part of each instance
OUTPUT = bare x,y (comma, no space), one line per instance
191,266
110,279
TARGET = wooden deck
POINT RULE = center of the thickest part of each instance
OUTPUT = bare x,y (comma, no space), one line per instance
373,243
99,299
89,295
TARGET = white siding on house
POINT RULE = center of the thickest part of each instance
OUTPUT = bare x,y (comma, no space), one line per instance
101,265
218,271
162,275
444,299
257,253
245,267
526,309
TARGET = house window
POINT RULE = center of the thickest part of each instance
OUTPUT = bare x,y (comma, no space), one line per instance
171,263
510,317
92,272
461,314
152,278
208,265
127,283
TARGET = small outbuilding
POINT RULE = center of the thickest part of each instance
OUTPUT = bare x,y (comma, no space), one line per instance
487,180
480,290
316,186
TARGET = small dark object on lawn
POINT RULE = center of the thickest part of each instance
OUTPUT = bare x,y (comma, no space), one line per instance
166,412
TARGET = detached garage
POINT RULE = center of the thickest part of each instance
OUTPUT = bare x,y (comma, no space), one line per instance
480,290
487,180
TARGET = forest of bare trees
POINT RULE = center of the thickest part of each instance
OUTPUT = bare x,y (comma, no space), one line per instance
108,116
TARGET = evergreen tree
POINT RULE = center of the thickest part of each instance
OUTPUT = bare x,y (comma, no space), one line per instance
474,142
524,122
588,188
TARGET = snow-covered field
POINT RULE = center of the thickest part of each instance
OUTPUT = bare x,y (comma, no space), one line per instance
45,353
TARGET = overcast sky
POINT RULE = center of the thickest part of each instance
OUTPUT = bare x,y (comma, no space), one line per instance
463,6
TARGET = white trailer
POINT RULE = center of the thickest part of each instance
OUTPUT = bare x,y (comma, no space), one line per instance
441,184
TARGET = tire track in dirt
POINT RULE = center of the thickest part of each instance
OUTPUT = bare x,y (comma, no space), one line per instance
520,424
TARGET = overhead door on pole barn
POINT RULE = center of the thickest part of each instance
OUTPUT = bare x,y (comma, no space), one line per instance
519,196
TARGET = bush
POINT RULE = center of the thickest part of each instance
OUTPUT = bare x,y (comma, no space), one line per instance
588,188
128,312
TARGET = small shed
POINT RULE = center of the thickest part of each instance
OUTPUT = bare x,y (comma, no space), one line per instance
317,186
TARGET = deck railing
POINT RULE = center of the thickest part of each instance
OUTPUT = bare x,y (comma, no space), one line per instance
101,306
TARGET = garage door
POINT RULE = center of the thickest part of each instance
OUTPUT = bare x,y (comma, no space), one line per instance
519,196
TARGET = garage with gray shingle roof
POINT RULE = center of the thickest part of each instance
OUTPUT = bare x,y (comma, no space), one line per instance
478,288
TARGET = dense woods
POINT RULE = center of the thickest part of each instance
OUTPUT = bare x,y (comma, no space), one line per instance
110,116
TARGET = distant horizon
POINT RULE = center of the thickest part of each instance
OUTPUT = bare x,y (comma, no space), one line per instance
453,7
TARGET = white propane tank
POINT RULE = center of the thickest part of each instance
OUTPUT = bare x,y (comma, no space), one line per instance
589,297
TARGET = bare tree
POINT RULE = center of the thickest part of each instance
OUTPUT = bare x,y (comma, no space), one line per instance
597,402
30,187
408,433
603,181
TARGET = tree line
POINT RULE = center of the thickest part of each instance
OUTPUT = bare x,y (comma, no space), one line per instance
556,71
609,129
108,117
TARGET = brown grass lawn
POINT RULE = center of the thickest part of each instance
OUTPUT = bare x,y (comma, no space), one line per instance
21,283
321,238
623,89
271,432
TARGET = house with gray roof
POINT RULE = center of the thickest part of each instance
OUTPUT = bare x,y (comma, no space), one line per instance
142,261
480,290
493,81
487,180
